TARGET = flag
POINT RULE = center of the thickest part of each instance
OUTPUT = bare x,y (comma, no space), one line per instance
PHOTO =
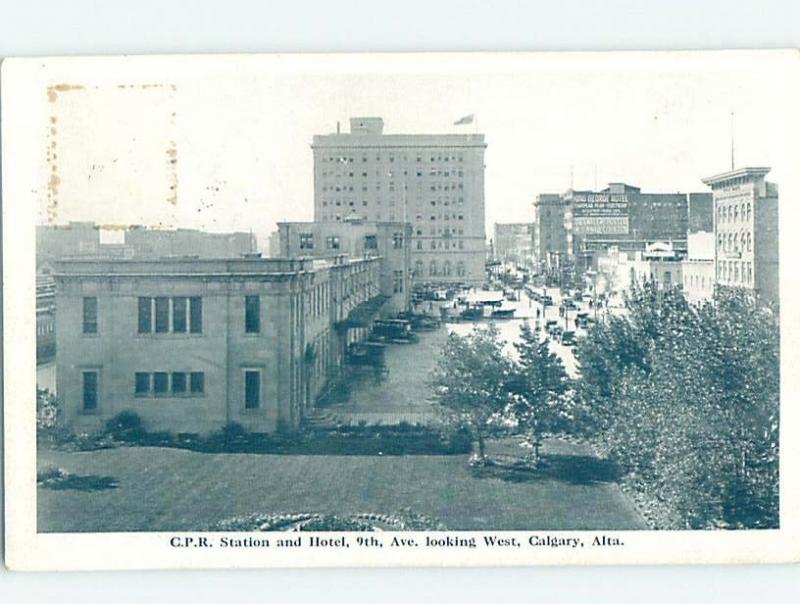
467,119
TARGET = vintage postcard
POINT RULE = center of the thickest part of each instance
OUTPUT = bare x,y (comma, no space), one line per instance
401,309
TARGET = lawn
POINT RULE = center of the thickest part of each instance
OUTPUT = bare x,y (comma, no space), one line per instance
165,489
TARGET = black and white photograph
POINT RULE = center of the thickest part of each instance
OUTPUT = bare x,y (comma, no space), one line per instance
410,309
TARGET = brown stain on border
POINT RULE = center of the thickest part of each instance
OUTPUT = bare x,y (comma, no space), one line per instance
54,181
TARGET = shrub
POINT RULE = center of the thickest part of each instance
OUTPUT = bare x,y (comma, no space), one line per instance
126,426
50,425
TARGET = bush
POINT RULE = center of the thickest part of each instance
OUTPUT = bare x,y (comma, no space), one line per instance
49,418
126,426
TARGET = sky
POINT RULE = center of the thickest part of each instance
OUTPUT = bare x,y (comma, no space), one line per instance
239,129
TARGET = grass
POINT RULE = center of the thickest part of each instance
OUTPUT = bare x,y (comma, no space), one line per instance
160,489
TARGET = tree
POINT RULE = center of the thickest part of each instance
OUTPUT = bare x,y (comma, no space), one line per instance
538,384
690,408
471,380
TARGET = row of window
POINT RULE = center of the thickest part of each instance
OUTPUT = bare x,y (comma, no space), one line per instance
341,159
445,216
433,172
332,242
443,245
727,213
433,269
163,383
176,314
696,282
442,201
734,271
446,231
176,383
735,242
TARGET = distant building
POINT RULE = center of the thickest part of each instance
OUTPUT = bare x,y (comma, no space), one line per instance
192,345
45,315
274,245
513,242
746,230
433,181
619,216
550,243
619,270
701,213
659,264
54,242
698,267
160,243
388,241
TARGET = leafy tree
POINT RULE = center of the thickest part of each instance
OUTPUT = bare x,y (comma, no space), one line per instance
691,404
471,379
538,384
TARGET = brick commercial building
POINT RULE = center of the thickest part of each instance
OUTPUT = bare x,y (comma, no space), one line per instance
619,216
513,242
433,181
388,241
550,244
192,345
746,230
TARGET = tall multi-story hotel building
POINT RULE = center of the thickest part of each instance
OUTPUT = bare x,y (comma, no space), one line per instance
746,230
435,182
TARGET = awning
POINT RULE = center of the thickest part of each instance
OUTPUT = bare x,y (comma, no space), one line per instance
363,314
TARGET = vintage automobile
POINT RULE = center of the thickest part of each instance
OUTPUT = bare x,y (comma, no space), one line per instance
472,312
567,338
367,354
392,330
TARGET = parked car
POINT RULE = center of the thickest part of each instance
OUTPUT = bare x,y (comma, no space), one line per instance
567,338
392,330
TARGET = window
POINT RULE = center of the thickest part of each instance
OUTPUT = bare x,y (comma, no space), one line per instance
90,383
197,382
397,241
398,282
307,240
196,314
252,314
178,383
162,315
371,242
252,389
145,315
142,384
332,242
179,309
90,315
160,382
